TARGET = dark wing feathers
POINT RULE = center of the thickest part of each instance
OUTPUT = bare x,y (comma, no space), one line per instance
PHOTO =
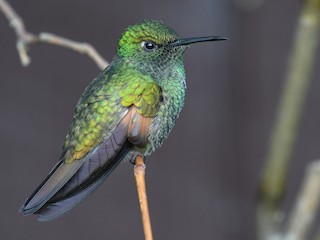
67,180
68,184
96,164
58,208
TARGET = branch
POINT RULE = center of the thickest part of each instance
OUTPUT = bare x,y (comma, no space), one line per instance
301,63
25,39
307,204
139,173
83,48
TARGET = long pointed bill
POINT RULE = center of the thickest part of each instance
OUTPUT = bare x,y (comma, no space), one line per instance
188,41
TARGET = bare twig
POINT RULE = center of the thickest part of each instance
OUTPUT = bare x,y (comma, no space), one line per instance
83,48
139,173
26,39
289,114
307,204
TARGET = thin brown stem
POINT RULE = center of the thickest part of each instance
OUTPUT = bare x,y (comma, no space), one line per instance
139,173
25,39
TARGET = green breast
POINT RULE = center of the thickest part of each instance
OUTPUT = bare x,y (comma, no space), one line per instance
173,91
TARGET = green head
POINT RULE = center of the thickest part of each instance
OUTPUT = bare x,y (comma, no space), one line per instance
153,41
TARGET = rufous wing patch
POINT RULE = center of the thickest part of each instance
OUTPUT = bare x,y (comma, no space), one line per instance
138,127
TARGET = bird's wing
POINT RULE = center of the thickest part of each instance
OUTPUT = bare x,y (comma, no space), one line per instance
111,116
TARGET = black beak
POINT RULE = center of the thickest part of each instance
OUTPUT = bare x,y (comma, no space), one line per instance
187,41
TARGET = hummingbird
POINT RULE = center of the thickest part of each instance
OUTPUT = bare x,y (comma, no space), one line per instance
129,109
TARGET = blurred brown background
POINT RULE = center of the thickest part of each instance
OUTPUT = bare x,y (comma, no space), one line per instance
202,182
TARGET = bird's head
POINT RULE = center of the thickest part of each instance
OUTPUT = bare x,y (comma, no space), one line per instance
154,41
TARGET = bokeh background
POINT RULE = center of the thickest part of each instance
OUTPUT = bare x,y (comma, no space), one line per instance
202,182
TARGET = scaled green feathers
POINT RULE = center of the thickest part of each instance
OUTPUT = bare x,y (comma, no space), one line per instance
103,105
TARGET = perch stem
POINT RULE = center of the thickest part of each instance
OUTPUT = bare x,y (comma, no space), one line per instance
139,173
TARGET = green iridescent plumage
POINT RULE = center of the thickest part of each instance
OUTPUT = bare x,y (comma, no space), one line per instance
129,109
103,105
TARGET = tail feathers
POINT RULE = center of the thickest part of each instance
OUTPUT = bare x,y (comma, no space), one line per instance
57,209
58,177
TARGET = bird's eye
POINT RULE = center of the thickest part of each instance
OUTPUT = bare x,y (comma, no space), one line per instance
148,46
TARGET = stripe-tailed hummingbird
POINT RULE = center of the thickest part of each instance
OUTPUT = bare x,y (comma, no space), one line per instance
128,109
